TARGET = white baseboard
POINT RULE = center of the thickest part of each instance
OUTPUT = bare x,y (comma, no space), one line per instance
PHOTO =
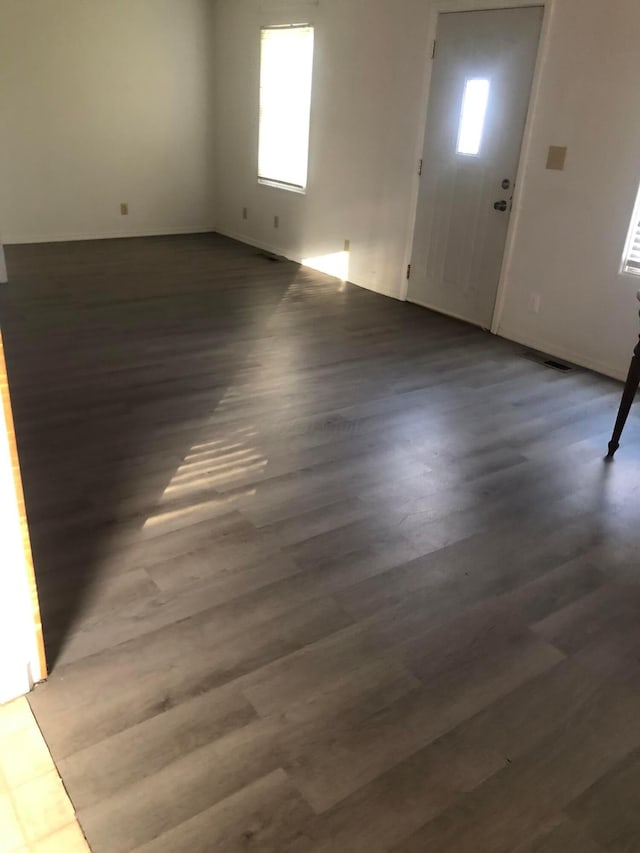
390,294
545,347
447,314
276,250
21,239
264,247
552,348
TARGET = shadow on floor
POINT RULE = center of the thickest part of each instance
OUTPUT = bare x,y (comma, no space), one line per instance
119,352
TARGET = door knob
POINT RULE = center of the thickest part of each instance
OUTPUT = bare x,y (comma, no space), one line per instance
501,206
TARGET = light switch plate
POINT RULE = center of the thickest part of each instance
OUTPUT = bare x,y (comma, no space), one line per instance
557,158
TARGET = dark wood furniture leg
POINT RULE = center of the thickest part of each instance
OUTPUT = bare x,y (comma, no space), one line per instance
628,396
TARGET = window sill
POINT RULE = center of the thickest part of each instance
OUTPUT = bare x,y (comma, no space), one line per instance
292,188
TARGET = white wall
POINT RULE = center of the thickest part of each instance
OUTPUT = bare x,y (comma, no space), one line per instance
368,77
128,100
572,225
366,126
19,664
103,102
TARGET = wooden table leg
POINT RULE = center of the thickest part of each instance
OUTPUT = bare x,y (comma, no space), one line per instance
628,396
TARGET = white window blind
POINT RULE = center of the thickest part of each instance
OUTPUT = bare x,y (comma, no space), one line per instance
633,257
631,262
286,69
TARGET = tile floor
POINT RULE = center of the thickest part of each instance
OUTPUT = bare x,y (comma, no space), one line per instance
36,815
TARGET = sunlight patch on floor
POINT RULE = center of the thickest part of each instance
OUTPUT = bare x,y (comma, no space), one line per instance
234,455
205,508
335,264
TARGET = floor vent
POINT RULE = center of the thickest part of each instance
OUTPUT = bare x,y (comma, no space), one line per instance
553,363
558,365
269,256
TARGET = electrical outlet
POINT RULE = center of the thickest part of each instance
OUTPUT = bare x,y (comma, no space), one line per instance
124,209
557,158
245,213
534,303
347,245
276,221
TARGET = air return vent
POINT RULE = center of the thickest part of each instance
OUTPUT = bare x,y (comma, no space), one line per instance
269,256
548,361
558,365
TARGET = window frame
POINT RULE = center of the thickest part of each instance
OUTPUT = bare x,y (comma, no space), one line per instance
274,182
628,266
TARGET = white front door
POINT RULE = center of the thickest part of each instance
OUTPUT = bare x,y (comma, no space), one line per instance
480,92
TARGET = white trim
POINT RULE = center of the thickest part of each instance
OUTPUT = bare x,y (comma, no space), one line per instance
514,219
440,7
270,5
563,353
275,250
537,344
389,294
484,5
628,264
250,241
299,109
15,239
279,185
451,314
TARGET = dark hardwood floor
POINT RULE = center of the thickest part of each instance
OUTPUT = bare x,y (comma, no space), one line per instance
320,571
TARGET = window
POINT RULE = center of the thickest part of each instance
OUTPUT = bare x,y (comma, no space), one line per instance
631,259
472,118
286,67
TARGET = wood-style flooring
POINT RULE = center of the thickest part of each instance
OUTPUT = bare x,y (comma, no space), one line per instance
320,571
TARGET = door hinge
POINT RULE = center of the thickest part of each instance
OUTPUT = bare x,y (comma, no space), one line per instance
419,167
409,271
433,49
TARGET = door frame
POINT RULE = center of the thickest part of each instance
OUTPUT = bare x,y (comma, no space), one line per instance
442,6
